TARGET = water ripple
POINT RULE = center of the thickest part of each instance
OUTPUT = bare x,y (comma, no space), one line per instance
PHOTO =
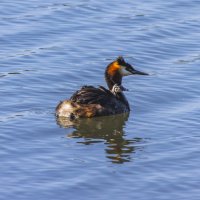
49,50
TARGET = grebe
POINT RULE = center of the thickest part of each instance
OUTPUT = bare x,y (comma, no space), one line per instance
91,102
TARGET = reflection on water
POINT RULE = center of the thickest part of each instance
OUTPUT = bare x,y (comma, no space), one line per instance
110,130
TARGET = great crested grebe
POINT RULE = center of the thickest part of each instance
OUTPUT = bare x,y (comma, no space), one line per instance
91,102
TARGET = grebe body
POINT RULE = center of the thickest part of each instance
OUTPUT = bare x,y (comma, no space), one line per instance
90,101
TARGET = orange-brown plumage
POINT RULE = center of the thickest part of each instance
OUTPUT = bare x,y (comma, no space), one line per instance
113,68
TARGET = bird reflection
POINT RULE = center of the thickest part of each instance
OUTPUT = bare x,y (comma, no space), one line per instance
107,129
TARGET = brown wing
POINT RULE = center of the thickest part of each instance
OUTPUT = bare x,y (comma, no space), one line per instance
92,95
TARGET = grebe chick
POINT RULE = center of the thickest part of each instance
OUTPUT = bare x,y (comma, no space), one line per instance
91,102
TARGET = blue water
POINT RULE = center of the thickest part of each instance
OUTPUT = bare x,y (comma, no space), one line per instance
49,49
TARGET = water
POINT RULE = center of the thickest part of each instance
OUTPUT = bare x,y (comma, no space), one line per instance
49,49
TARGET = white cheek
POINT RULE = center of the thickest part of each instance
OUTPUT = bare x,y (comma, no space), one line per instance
124,72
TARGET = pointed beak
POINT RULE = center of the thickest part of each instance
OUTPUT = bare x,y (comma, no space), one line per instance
134,71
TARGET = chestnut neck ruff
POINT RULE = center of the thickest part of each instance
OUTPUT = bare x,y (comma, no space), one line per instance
112,75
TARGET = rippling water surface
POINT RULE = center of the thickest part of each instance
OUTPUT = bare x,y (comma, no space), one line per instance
51,48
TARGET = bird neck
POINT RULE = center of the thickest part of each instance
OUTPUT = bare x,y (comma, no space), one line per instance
112,75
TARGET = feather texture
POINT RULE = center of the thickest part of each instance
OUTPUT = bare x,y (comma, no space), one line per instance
92,95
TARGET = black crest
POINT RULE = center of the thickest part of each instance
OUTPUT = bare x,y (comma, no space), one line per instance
121,60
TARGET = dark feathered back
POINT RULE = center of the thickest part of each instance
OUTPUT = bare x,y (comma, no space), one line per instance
92,95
